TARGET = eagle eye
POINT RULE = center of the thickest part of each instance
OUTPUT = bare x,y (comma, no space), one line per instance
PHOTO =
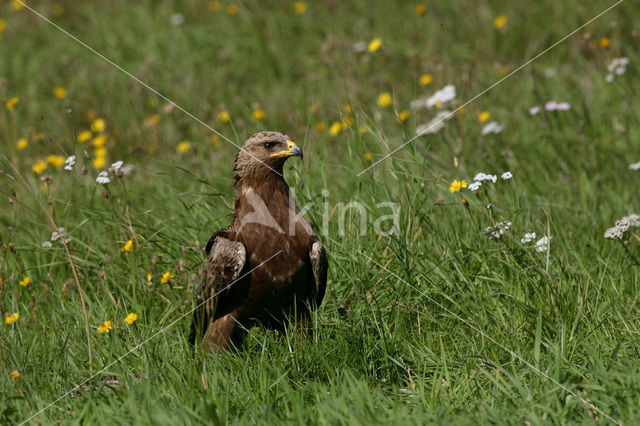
269,145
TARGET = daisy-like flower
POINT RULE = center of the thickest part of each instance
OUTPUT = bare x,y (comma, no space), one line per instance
15,374
300,7
542,244
435,125
474,186
131,318
128,246
70,162
84,136
617,66
506,175
457,185
166,277
11,103
492,128
634,166
103,178
534,110
439,98
374,45
105,327
384,99
500,21
59,92
98,125
22,144
11,318
528,237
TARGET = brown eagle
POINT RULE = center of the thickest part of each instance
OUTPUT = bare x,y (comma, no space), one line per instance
267,266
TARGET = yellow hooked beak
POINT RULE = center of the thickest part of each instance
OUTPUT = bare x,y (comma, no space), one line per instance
292,150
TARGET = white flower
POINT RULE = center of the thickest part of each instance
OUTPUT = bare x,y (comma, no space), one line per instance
482,177
127,169
492,127
440,97
70,162
498,230
60,234
634,166
474,186
617,66
103,178
506,175
617,231
528,237
434,125
176,19
46,245
360,47
117,165
543,244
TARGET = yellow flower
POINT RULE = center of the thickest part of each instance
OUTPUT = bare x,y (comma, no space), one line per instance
484,116
11,318
152,120
500,21
346,122
59,92
149,277
605,42
457,185
166,277
84,136
131,318
99,141
224,116
367,157
215,140
57,10
258,115
375,44
335,128
105,327
384,99
11,103
16,5
22,144
128,246
320,126
363,130
159,255
100,152
1,281
26,281
98,125
3,26
232,9
39,167
348,109
462,110
300,7
403,116
56,160
214,6
15,374
98,162
425,79
421,9
183,147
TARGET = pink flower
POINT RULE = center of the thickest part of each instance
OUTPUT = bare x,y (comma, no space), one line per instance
534,110
563,106
551,106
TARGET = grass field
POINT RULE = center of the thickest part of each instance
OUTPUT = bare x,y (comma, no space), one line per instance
437,322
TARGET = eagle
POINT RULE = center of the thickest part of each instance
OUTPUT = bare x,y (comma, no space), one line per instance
267,267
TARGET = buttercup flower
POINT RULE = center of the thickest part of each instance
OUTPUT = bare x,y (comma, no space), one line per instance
605,42
22,144
131,318
384,99
59,92
403,116
11,318
11,103
457,185
425,79
214,6
56,160
500,21
128,246
98,163
84,136
39,167
320,126
421,9
258,114
25,282
224,116
99,141
300,7
98,125
183,147
335,128
374,45
367,157
166,277
483,117
105,327
232,9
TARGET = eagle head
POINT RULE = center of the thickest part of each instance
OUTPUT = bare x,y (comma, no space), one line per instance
263,155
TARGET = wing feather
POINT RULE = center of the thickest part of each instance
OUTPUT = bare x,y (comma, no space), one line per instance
319,265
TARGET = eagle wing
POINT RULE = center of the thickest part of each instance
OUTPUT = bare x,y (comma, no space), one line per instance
319,266
222,267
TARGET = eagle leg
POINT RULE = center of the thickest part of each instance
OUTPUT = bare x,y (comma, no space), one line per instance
223,332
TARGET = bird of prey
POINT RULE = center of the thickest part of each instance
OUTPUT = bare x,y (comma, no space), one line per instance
268,265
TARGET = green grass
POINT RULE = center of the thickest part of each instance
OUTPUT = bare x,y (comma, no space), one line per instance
441,325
